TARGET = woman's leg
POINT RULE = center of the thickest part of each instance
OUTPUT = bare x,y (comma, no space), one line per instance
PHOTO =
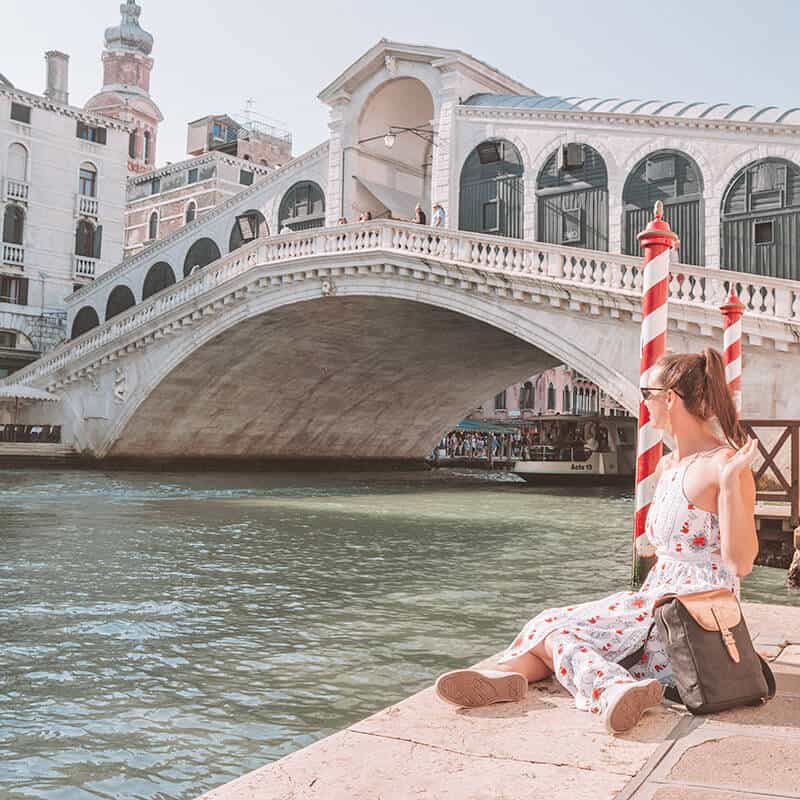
529,664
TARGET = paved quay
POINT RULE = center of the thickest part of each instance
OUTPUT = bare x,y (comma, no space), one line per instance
544,747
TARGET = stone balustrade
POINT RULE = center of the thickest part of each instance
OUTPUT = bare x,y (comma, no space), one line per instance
16,191
86,206
84,267
608,279
13,254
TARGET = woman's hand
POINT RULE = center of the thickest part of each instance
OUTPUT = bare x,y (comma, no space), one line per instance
730,471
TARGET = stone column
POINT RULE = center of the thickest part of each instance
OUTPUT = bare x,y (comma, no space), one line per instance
336,156
443,189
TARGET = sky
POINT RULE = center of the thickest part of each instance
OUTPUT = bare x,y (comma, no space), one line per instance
211,57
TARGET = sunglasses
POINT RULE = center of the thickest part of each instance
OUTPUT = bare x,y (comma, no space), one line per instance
649,391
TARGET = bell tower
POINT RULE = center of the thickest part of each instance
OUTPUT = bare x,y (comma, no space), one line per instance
126,86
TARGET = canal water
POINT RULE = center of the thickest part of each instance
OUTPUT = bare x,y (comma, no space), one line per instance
164,633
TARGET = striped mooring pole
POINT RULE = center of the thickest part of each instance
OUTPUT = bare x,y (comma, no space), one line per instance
732,310
656,240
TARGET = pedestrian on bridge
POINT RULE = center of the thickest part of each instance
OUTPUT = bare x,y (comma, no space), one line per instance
701,522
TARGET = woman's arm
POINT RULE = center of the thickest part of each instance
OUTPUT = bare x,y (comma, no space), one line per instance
736,508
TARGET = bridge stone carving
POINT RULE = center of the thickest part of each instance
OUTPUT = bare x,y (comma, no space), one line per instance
370,340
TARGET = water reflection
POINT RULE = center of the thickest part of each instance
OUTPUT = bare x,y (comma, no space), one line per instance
164,633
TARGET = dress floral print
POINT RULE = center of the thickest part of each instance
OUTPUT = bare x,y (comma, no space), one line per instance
591,638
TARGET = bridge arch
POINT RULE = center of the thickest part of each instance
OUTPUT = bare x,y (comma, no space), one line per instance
84,321
120,299
200,254
158,277
525,343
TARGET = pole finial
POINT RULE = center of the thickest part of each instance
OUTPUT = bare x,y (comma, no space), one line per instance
658,209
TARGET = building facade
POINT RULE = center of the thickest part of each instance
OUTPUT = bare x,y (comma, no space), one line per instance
63,173
558,390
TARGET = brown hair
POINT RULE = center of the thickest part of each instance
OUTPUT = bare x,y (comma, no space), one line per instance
699,378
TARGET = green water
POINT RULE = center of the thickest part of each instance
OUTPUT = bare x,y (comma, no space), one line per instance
164,633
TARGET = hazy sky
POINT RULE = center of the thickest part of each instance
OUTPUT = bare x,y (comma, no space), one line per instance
209,57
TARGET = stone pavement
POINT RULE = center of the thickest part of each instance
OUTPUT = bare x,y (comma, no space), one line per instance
544,747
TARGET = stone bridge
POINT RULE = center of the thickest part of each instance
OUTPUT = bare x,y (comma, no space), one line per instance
371,340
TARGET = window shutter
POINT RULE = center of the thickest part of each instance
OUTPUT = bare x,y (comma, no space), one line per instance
23,291
98,241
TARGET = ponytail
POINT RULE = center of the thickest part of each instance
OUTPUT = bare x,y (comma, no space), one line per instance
699,378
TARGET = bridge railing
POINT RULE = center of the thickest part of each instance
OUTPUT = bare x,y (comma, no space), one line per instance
603,273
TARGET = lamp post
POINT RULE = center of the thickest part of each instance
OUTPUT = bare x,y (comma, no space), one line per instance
657,240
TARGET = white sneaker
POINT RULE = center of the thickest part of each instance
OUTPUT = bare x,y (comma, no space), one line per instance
624,703
473,688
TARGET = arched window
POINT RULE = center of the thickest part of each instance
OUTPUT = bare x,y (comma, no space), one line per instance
17,162
13,224
152,226
575,400
760,226
200,254
158,277
593,408
191,212
87,180
85,239
526,395
674,179
551,397
302,207
250,222
132,144
565,406
85,320
572,192
120,299
147,154
492,190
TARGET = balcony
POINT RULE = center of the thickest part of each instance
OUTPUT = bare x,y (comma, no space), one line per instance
83,267
13,254
86,206
16,191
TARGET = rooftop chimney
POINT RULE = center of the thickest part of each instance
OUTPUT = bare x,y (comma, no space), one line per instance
57,76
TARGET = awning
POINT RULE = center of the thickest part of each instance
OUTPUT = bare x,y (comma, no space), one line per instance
400,203
484,426
18,391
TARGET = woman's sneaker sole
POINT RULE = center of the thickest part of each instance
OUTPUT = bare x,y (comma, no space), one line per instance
470,688
626,710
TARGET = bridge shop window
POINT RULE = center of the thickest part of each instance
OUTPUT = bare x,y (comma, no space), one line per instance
158,277
84,321
247,227
572,198
120,299
760,224
200,254
675,179
302,207
492,192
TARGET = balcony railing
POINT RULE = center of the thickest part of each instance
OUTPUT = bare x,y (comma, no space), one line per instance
86,206
13,254
83,267
16,191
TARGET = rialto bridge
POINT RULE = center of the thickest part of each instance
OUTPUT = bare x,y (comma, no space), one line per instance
369,340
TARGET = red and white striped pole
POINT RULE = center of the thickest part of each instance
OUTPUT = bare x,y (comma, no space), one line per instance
732,310
656,241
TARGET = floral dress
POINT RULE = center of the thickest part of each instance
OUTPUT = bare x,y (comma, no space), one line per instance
591,638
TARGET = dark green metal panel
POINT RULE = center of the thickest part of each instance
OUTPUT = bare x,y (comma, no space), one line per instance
492,191
674,179
760,226
572,201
